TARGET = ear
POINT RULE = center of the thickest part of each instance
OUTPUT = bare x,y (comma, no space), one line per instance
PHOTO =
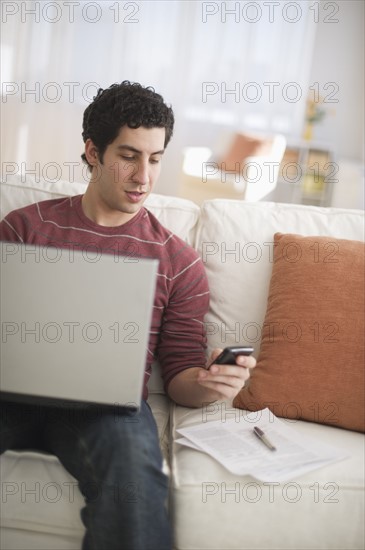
91,152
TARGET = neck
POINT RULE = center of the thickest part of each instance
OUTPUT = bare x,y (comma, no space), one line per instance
99,212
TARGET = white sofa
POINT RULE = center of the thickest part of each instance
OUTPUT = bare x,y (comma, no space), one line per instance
324,509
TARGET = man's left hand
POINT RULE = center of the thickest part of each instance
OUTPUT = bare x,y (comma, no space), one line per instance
226,380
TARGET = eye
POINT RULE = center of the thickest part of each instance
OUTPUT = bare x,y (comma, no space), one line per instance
155,160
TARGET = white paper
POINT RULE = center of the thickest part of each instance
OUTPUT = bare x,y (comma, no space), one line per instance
236,447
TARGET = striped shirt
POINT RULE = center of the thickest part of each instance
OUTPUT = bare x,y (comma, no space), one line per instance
177,336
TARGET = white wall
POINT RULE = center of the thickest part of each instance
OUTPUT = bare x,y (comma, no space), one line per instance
339,58
338,62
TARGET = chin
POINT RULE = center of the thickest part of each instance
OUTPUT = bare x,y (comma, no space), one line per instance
130,208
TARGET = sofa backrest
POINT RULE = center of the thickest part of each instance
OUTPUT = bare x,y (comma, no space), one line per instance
179,215
235,240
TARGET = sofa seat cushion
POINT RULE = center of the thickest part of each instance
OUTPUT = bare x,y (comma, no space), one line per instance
39,495
214,509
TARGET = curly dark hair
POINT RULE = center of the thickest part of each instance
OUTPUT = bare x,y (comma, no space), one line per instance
125,104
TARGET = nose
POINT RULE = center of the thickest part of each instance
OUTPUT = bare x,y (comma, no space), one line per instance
141,173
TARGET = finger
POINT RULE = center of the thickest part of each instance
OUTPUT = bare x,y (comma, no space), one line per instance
226,391
246,361
231,383
236,376
237,371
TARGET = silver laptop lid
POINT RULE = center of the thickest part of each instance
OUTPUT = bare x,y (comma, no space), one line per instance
74,324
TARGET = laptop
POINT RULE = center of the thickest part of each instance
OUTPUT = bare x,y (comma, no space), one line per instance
74,325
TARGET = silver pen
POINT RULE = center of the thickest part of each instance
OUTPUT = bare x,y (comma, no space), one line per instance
261,435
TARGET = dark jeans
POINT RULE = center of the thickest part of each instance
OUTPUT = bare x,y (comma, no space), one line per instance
116,459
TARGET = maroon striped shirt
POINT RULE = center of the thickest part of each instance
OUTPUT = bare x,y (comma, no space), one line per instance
177,336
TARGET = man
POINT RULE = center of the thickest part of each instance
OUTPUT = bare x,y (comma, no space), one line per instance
126,130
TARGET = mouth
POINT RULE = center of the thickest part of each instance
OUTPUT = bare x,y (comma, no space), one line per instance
135,196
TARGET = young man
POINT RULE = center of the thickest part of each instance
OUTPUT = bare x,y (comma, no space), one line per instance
126,130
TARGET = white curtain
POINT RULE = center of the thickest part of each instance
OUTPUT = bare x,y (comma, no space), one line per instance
237,65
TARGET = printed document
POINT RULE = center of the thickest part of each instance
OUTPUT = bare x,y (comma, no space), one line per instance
236,447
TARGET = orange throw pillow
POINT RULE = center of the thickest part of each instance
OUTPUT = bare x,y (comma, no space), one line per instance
311,361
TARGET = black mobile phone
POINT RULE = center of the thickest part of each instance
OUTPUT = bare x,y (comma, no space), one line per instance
229,354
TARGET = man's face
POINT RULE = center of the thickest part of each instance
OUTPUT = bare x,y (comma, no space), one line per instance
122,182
